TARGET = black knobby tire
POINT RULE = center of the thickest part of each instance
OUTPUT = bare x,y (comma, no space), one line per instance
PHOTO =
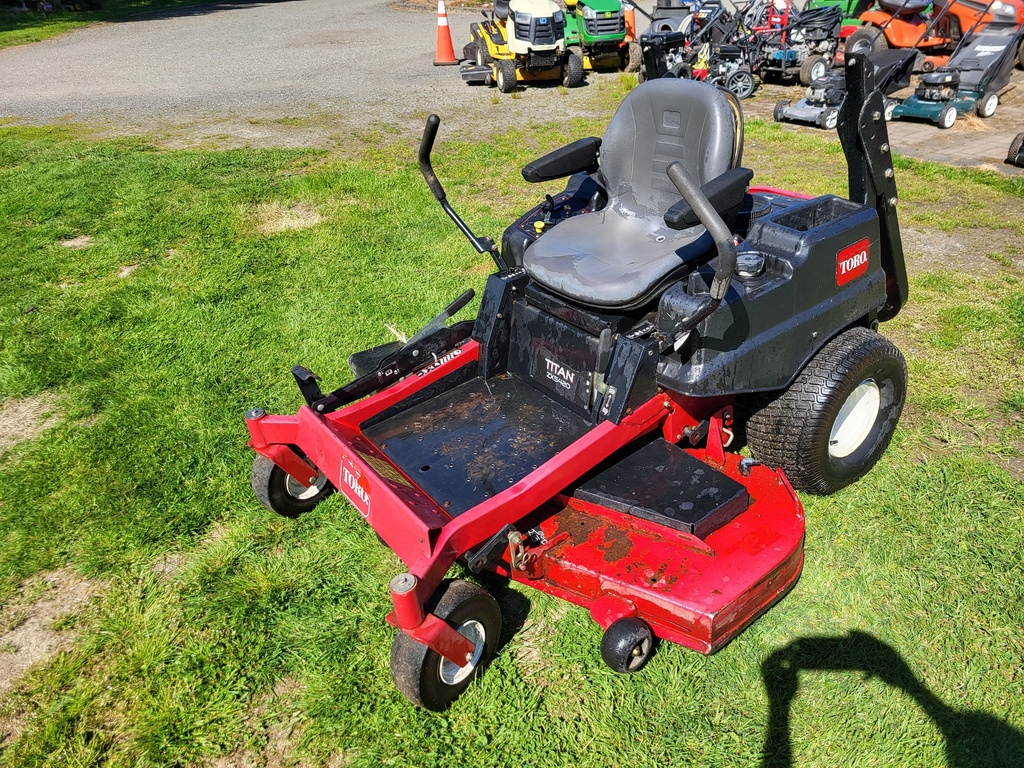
867,39
626,645
1015,147
505,78
483,55
420,673
810,431
573,75
280,493
810,69
779,111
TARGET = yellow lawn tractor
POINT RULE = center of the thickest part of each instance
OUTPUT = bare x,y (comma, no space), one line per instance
521,41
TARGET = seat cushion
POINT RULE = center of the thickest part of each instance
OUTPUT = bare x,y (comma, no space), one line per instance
613,259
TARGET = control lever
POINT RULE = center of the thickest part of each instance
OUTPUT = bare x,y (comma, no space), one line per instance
699,307
482,244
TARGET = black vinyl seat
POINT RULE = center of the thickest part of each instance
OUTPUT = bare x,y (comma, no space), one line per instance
621,255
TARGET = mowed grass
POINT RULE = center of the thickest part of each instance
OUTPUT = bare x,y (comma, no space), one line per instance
226,633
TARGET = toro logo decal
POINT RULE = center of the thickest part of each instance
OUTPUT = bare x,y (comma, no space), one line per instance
355,486
852,262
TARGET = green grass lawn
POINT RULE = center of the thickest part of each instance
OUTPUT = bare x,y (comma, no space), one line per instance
222,632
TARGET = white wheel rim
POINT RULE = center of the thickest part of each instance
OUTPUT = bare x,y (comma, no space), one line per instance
948,118
818,71
855,420
832,120
451,673
639,654
298,491
989,107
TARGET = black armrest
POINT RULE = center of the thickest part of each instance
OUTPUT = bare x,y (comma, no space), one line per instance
578,157
724,192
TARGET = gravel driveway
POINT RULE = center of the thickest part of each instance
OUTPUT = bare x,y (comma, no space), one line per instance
313,72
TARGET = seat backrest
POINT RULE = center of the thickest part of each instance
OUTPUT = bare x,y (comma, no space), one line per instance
501,9
664,120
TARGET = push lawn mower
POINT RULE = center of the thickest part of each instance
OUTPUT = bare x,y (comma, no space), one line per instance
977,71
521,41
805,47
899,24
820,106
575,436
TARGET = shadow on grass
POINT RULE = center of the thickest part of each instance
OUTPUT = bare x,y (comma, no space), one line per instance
193,9
972,738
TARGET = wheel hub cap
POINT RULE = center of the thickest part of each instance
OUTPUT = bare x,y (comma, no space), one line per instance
452,673
296,490
855,420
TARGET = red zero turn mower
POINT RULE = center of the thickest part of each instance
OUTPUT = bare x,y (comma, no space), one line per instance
575,436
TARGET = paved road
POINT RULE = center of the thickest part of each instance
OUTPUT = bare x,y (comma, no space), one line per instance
313,71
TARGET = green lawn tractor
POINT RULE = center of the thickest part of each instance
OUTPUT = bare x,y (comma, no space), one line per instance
521,41
595,30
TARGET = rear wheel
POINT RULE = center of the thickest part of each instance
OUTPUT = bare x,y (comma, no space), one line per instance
836,419
506,76
573,74
1015,147
281,493
741,83
634,57
987,105
890,107
779,113
829,118
483,56
947,116
813,68
867,39
428,679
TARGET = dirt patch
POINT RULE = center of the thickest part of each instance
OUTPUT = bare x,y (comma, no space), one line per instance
27,622
26,419
271,218
932,250
126,270
281,734
77,243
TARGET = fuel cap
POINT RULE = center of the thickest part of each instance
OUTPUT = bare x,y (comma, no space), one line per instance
749,264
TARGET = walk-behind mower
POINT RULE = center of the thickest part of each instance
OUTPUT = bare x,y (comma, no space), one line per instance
579,435
595,30
978,70
521,41
899,23
824,97
805,48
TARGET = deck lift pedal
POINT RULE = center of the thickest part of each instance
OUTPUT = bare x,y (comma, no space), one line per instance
576,435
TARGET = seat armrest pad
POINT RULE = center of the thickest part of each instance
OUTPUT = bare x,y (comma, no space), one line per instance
724,192
578,157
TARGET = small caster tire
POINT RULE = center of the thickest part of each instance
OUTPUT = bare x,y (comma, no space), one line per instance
987,105
829,119
626,645
947,117
506,76
426,678
779,112
282,494
572,77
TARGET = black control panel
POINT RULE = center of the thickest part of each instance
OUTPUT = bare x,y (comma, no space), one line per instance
579,196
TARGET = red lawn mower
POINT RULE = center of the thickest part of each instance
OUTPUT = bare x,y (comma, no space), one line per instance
580,434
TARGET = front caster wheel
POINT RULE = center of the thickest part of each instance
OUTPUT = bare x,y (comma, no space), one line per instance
835,420
426,678
281,493
626,645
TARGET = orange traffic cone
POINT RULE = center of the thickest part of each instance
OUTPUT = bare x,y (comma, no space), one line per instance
629,16
445,51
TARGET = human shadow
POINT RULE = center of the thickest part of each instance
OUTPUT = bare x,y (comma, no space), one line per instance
971,738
